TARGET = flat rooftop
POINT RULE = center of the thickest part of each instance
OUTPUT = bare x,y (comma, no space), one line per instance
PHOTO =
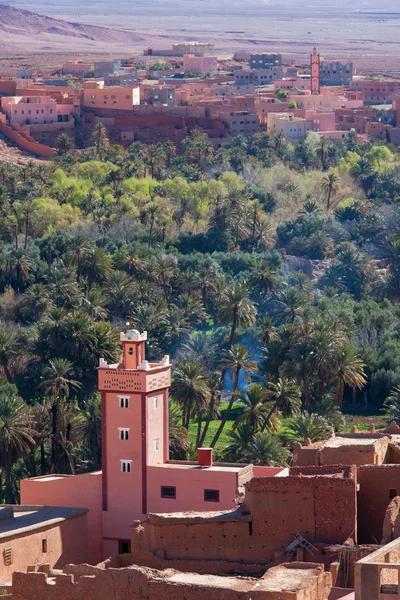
193,517
216,467
28,518
286,578
338,442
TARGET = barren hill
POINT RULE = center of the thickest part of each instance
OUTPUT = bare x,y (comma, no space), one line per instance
24,30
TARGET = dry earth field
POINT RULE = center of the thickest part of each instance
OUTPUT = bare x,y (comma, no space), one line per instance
360,30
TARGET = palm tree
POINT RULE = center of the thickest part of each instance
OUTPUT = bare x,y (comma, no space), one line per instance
178,436
290,302
392,254
120,294
91,430
57,385
266,449
190,390
252,398
236,308
330,185
16,436
237,360
206,281
239,440
392,404
263,278
20,266
162,270
94,303
41,423
299,366
9,349
268,330
64,144
35,301
347,369
58,382
95,266
285,397
100,139
307,425
77,339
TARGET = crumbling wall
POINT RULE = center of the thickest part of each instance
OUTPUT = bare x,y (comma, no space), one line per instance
391,522
379,484
291,581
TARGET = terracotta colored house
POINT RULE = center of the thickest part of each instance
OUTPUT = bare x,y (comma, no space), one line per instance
32,535
200,64
137,475
96,95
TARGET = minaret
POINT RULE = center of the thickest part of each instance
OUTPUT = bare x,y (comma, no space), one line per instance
134,395
315,72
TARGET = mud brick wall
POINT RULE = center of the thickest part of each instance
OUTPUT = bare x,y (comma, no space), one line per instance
321,508
378,485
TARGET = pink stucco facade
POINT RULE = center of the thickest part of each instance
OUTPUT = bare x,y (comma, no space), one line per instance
22,110
80,491
137,476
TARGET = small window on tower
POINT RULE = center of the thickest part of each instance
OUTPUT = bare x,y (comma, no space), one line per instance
156,444
123,434
123,401
44,545
155,401
130,351
126,466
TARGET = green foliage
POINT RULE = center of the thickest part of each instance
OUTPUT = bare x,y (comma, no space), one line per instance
192,245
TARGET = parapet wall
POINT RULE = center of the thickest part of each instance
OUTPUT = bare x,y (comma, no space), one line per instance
294,581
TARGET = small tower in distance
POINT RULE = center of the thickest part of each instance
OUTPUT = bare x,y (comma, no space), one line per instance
315,72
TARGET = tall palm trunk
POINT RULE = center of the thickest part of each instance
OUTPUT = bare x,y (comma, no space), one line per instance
339,393
204,300
228,410
54,433
42,460
199,421
9,482
268,417
233,329
209,417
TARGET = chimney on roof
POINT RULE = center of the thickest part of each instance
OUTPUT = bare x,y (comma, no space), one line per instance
205,457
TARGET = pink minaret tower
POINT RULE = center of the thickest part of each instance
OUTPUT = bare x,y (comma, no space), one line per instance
315,72
134,431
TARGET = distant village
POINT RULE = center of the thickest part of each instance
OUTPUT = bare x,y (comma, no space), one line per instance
164,94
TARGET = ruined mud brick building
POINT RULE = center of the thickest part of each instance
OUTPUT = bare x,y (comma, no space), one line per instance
318,503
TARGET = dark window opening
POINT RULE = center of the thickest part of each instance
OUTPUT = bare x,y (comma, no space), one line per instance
124,547
250,528
168,492
44,545
211,495
130,351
